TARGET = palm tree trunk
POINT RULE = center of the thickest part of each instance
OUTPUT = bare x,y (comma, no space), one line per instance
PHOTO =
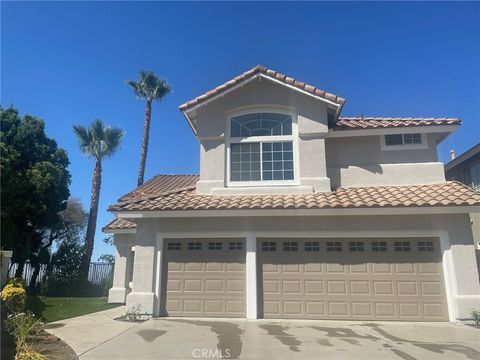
146,136
92,220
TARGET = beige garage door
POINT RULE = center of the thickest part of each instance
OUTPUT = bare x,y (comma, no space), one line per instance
205,277
380,279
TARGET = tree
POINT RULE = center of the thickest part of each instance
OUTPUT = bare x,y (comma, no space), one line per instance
151,88
72,222
97,141
34,184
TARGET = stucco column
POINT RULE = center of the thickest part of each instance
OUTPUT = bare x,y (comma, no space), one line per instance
251,276
143,292
123,257
5,259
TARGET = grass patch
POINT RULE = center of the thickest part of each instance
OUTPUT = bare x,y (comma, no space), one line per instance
57,308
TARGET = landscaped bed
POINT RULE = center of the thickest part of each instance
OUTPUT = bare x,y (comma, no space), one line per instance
49,309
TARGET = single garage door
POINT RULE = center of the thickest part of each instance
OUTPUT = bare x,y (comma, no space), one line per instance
374,279
205,278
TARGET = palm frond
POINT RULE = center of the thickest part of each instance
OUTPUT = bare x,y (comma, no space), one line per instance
98,140
150,86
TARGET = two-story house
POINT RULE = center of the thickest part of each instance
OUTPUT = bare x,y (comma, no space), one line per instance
300,213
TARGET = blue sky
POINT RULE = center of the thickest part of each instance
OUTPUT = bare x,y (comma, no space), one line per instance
66,62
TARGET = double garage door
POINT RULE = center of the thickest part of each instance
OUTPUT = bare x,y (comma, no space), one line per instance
379,279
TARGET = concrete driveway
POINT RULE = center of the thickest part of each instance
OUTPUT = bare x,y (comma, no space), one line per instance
182,338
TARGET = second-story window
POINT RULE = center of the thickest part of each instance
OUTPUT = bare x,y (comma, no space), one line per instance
261,147
402,139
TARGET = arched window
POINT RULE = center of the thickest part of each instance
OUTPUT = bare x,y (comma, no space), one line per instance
261,148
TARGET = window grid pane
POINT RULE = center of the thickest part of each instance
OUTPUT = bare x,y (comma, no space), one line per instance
402,246
425,246
235,245
194,246
261,124
290,246
269,246
379,246
335,246
277,161
356,245
245,162
312,246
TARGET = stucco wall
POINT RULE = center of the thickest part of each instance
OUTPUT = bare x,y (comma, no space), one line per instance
360,161
312,127
460,265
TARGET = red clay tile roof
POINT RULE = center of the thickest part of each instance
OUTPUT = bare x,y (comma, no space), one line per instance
162,184
361,122
260,69
119,224
446,194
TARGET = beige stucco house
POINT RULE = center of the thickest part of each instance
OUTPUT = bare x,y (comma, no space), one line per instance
299,212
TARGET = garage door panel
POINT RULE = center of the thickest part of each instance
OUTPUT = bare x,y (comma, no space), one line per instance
385,284
205,278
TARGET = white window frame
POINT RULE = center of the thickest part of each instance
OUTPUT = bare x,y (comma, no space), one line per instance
385,147
260,139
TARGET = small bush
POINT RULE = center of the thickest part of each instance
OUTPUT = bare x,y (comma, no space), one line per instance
29,353
476,316
23,326
16,282
59,287
13,299
134,314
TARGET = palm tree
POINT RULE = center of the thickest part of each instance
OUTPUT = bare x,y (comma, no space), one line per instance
97,141
149,87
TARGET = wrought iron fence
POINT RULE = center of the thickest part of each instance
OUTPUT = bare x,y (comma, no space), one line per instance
96,274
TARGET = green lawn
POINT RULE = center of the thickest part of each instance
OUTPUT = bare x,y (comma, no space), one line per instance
56,308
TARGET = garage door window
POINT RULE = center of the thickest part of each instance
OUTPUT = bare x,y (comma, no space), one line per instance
269,246
214,246
335,246
235,245
311,246
402,246
356,245
425,246
379,246
194,246
290,246
174,246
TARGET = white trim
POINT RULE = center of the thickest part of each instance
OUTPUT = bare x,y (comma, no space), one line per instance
246,81
259,139
251,276
445,245
120,231
158,275
299,212
405,130
385,147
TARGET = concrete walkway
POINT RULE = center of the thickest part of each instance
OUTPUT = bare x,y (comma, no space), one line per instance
97,336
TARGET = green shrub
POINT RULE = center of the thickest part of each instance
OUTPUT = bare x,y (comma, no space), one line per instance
24,327
13,299
16,282
56,286
476,316
107,284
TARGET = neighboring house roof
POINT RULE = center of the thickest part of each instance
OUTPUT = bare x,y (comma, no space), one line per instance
260,69
185,198
363,122
463,157
119,224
